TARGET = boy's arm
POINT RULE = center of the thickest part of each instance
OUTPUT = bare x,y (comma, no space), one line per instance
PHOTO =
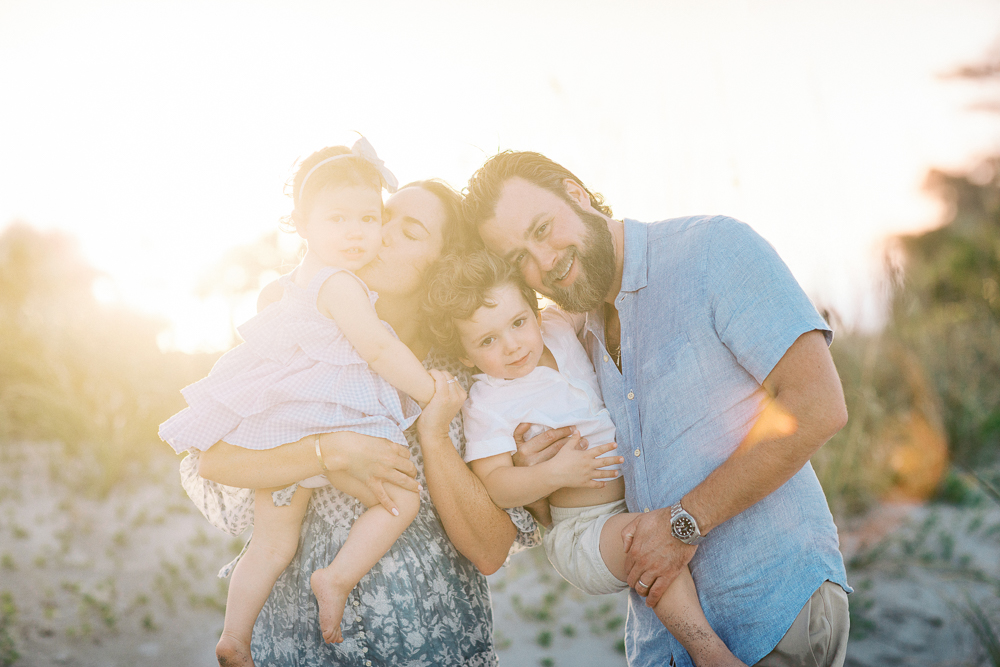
345,301
513,487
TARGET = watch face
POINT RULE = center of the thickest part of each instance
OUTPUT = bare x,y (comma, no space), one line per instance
684,527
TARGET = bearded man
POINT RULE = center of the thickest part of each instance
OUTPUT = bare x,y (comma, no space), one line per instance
716,369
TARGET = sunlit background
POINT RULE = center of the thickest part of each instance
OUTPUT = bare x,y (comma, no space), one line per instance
160,134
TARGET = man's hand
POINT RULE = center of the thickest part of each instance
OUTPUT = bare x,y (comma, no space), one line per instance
653,555
581,467
545,445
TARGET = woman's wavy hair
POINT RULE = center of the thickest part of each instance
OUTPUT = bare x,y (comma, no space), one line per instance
455,234
458,286
486,185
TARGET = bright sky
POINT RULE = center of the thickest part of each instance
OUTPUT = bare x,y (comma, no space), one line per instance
160,134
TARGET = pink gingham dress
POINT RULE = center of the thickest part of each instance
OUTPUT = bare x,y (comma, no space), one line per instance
296,375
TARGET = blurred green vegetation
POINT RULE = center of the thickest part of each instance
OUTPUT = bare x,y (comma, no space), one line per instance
76,371
924,392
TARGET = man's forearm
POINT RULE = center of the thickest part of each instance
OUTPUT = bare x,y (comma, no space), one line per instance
754,471
480,530
807,409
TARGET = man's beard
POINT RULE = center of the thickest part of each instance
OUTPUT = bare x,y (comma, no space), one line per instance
595,270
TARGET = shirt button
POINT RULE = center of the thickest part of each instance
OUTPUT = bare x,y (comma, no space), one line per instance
646,510
638,452
631,396
364,649
368,663
356,603
605,358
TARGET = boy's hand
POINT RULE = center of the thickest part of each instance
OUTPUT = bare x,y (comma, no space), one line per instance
576,467
543,446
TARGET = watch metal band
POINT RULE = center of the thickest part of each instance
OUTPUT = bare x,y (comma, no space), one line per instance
683,526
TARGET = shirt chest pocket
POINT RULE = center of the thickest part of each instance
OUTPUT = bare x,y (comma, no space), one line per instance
673,391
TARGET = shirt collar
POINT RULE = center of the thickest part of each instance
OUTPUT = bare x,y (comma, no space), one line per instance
634,272
490,380
503,382
634,269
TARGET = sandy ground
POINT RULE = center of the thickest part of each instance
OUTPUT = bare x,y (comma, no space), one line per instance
129,580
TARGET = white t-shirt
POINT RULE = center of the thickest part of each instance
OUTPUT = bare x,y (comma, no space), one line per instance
545,398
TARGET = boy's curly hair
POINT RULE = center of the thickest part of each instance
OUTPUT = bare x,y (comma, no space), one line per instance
459,285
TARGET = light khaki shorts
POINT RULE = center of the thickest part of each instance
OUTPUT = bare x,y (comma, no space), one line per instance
819,634
573,546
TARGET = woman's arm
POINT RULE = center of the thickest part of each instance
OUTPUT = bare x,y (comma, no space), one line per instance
369,460
480,530
344,300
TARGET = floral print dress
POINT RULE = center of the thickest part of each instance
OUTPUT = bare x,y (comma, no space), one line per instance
422,605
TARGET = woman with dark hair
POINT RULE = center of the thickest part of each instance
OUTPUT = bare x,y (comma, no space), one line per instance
427,601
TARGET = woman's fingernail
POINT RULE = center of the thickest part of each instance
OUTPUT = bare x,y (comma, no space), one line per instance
395,511
420,487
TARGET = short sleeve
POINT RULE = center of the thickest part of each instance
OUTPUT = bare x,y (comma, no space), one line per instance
758,308
487,433
528,534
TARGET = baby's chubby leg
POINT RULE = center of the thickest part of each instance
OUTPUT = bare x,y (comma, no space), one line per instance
272,547
679,609
370,538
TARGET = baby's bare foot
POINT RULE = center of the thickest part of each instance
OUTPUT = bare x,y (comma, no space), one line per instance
331,595
231,652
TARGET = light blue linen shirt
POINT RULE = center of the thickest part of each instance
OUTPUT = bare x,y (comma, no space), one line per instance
707,309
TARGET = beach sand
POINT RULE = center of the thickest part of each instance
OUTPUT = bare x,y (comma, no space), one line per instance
129,579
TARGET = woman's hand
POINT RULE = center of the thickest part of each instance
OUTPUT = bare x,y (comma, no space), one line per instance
372,461
573,466
435,420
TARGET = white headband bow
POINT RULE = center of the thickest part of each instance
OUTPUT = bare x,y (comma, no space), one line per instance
364,150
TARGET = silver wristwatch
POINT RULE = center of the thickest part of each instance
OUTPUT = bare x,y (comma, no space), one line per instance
683,526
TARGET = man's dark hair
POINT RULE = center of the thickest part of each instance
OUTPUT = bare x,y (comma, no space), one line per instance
486,185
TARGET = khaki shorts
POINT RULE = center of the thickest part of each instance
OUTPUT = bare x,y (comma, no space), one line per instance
573,546
818,635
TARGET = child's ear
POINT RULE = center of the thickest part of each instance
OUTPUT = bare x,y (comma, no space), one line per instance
467,362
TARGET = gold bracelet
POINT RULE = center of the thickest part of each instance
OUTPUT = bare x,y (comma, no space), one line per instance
319,455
